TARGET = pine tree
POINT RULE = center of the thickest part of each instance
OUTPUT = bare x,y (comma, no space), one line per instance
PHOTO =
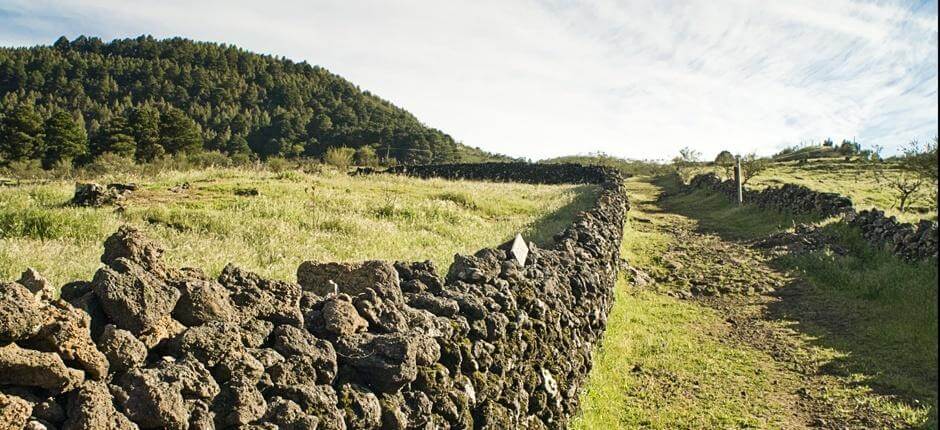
179,133
22,134
144,126
65,139
116,138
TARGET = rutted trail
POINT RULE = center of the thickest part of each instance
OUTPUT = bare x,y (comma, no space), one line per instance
727,354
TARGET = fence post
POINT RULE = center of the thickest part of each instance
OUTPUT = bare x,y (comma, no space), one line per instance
739,188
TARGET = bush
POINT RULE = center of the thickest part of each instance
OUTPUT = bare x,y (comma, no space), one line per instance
366,156
110,163
205,159
25,169
341,157
277,164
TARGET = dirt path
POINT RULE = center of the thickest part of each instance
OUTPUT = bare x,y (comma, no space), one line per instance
738,280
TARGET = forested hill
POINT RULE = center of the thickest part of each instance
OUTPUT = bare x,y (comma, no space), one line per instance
144,98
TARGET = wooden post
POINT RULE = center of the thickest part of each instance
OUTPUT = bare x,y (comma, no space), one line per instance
737,180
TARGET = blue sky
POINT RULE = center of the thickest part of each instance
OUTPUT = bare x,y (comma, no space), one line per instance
638,79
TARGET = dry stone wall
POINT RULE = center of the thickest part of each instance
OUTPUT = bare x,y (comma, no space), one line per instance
492,344
909,241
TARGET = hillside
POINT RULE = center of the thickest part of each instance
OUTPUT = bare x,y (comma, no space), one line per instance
144,97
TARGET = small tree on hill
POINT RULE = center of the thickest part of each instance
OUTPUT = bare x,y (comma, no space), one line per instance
849,148
752,166
687,159
725,161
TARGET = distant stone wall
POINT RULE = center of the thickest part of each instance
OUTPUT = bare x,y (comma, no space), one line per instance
494,344
909,241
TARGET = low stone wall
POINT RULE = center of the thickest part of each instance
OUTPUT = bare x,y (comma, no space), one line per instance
373,345
791,198
909,241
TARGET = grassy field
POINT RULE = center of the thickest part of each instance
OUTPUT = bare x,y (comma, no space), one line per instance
295,216
859,341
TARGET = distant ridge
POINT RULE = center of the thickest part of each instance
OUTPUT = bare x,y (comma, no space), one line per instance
145,97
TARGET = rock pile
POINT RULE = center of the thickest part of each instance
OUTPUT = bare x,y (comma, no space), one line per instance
92,194
909,241
371,345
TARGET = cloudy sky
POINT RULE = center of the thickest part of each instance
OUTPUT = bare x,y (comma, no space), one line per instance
638,79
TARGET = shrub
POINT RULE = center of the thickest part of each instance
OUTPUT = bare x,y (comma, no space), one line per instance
110,163
277,164
366,156
204,159
341,157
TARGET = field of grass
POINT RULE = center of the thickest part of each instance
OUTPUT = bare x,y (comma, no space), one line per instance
295,217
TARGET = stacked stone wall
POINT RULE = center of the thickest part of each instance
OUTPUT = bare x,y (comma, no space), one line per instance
909,241
491,344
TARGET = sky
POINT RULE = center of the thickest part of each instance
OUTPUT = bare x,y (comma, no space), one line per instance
545,78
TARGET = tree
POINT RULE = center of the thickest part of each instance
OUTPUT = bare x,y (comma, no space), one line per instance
752,166
179,133
724,158
144,127
66,139
687,158
849,148
828,143
725,161
921,160
116,139
905,185
21,134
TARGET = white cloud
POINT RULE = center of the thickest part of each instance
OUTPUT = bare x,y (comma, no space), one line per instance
634,78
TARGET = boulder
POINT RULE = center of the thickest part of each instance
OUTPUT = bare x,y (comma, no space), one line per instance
134,298
257,297
67,332
361,407
131,244
91,407
41,288
351,278
20,312
210,343
383,362
122,349
335,317
202,301
29,368
14,412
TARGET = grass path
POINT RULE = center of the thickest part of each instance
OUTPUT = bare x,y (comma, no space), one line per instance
709,332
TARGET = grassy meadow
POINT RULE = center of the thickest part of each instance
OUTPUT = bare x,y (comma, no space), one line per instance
296,216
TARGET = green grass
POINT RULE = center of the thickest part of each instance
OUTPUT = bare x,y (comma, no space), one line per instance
881,312
661,363
868,320
296,216
661,367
